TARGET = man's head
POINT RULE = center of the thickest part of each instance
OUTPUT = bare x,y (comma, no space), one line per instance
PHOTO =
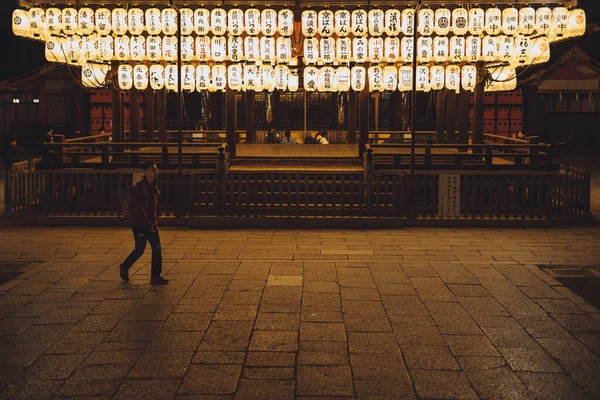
288,133
12,139
150,171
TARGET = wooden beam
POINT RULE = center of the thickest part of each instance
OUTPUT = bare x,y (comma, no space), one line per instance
351,116
230,131
451,117
440,115
531,124
162,116
149,114
117,112
364,98
134,115
479,107
464,99
250,117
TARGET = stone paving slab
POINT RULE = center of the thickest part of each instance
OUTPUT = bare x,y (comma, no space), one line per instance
381,314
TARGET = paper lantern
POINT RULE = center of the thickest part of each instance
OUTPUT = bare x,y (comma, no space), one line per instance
125,77
251,48
342,79
407,48
280,75
390,78
493,21
501,79
137,48
325,23
89,46
309,23
106,48
457,48
69,21
376,22
375,49
187,48
526,21
426,18
443,16
203,52
506,46
202,77
157,77
391,46
343,49
476,21
452,77
187,21
293,83
122,48
460,21
423,83
135,21
153,21
54,24
358,22
269,21
342,23
392,20
267,49
543,20
424,49
540,51
93,75
171,77
437,77
252,21
358,78
283,49
560,22
473,49
234,75
311,75
285,22
235,48
491,48
140,77
327,79
510,21
56,49
408,21
469,78
405,79
327,49
267,82
169,21
235,22
522,50
219,78
577,23
20,23
202,21
441,48
218,21
218,45
169,48
37,23
119,21
311,50
360,49
375,79
154,48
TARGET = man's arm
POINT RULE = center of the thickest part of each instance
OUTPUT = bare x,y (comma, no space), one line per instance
140,202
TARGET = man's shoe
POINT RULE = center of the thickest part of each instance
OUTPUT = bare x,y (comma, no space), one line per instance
123,273
158,280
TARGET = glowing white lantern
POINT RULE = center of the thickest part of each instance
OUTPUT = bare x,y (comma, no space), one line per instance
491,48
343,49
311,50
106,48
460,21
540,51
469,77
218,21
202,77
476,21
37,21
85,21
325,26
522,50
93,75
360,49
218,46
283,49
426,18
119,21
89,46
328,49
285,22
252,18
507,48
187,48
457,48
187,21
342,23
358,78
74,49
69,21
392,20
424,49
309,23
267,49
269,22
423,83
234,75
452,77
20,23
169,49
510,21
137,48
153,21
219,78
201,21
203,52
438,77
135,21
171,77
441,48
543,20
473,51
526,20
376,19
390,78
342,79
293,82
408,21
376,49
493,21
326,81
359,23
560,22
235,22
311,75
235,48
154,48
405,79
140,77
407,48
157,77
122,48
375,79
251,48
125,76
280,74
169,21
267,82
54,24
577,23
391,47
501,79
443,16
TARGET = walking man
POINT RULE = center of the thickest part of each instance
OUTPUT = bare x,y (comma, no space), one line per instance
144,224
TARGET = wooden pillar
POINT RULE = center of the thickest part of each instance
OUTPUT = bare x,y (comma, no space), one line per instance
364,99
134,115
117,115
215,111
149,114
479,106
230,131
351,116
250,117
276,109
530,111
162,116
451,117
464,99
440,118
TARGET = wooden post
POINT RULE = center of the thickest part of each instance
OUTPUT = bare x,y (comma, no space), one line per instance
530,111
276,109
117,112
134,115
451,117
149,114
230,131
250,117
479,107
464,99
364,99
214,111
351,116
440,118
162,116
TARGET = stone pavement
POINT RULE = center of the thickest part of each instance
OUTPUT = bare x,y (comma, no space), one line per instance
383,314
